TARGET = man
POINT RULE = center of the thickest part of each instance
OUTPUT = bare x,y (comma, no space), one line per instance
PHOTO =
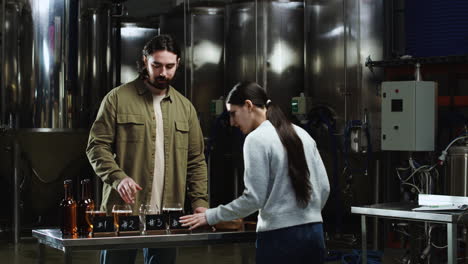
147,146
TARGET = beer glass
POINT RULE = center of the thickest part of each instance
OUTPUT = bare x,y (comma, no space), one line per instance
119,210
90,215
172,214
151,212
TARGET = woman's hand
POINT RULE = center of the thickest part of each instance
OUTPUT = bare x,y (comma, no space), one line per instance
194,220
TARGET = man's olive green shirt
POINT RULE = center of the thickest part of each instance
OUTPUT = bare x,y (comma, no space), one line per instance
122,143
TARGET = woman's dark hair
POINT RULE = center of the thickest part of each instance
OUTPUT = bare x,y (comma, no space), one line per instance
161,42
297,164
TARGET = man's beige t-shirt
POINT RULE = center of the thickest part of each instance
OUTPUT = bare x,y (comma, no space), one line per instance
158,180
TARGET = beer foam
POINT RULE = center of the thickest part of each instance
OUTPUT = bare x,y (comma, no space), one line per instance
96,212
122,211
172,209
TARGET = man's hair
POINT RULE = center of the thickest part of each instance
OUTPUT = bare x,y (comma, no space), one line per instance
161,42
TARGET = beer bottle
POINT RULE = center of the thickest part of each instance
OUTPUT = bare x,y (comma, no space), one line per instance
68,211
86,203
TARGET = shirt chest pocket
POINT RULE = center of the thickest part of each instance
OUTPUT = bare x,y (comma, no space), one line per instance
181,134
130,128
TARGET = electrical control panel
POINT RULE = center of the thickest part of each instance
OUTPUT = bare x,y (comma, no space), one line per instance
216,107
300,105
409,111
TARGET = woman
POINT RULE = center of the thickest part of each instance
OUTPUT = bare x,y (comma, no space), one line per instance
285,180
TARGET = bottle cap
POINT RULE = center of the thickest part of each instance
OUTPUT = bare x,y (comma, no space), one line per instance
85,181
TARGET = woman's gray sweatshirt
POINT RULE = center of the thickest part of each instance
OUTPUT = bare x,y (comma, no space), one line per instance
268,187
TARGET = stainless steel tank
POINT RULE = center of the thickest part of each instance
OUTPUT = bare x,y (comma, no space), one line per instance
199,30
96,54
457,171
11,89
265,43
44,64
40,100
341,36
47,45
133,37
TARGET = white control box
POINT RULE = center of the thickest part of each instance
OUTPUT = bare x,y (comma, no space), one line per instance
216,107
301,105
409,111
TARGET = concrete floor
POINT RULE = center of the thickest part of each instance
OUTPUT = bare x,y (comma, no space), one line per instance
26,252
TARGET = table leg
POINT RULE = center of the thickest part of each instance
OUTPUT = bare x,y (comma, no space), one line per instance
67,256
364,239
40,253
452,243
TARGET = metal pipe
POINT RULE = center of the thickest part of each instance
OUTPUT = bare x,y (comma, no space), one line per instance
16,193
305,30
417,72
82,63
98,87
376,200
109,61
345,60
190,58
185,47
360,60
264,44
256,42
71,65
3,86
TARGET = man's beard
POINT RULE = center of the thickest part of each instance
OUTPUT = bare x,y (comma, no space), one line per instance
160,83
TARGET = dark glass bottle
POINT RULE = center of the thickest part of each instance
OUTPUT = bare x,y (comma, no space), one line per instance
85,204
68,211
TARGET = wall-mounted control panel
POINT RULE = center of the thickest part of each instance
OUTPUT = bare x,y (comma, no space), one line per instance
409,111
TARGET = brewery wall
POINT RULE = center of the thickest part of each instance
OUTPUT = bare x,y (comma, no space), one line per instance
59,59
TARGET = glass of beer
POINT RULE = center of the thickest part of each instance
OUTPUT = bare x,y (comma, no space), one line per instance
147,209
172,214
90,215
120,210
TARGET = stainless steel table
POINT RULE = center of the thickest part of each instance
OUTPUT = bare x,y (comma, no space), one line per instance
53,238
404,211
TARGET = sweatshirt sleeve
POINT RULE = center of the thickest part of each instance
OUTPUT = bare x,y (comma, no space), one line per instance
256,181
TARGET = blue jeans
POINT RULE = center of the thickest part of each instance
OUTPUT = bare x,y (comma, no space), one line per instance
291,245
127,256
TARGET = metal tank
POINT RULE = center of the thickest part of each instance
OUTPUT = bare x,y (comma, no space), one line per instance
58,62
457,171
199,30
133,37
341,36
41,101
265,43
11,89
37,93
96,54
175,24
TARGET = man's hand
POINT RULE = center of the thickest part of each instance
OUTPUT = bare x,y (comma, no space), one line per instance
127,189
